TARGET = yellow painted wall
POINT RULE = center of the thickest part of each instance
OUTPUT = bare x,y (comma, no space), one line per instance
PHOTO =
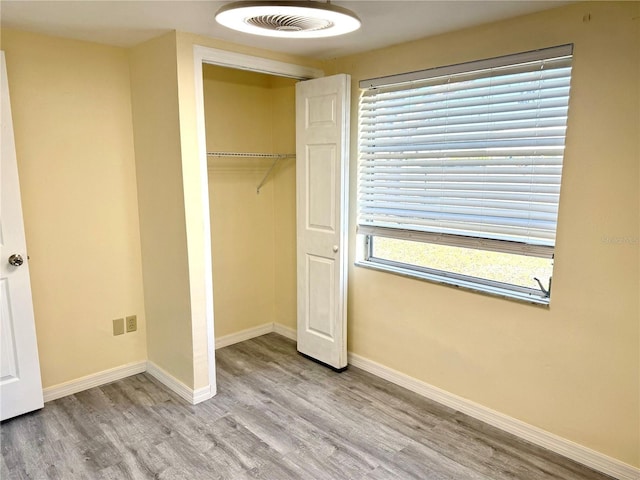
154,93
284,140
71,106
251,275
572,369
238,119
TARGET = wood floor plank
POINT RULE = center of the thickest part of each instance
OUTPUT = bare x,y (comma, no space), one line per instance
277,416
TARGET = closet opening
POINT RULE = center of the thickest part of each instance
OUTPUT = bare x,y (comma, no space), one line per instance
204,57
251,142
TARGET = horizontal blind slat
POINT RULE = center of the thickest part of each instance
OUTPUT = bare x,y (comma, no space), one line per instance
427,196
511,206
462,96
460,227
554,57
470,186
535,142
375,172
424,112
548,76
466,71
408,180
461,162
458,137
485,209
470,153
374,133
488,118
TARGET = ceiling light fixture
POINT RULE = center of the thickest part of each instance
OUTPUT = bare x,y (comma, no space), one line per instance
295,19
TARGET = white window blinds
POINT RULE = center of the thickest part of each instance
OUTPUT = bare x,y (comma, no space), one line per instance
469,155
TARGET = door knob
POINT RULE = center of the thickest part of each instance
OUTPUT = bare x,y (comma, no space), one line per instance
335,248
16,260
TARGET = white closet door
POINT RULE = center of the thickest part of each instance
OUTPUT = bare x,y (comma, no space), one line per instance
322,152
20,384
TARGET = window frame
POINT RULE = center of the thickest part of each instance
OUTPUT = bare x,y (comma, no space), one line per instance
465,282
366,234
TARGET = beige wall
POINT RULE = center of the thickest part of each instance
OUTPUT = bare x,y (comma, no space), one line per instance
154,93
72,119
572,369
284,140
238,119
251,275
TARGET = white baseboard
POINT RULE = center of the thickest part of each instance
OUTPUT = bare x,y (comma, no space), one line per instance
254,332
93,380
118,373
290,333
172,383
243,335
562,446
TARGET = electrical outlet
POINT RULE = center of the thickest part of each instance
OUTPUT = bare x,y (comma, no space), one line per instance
118,326
132,323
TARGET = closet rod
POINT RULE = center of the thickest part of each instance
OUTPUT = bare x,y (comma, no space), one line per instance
249,154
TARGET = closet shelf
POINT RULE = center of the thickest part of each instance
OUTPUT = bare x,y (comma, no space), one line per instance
250,154
275,156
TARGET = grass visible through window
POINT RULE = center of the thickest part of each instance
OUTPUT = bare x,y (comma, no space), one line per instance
501,267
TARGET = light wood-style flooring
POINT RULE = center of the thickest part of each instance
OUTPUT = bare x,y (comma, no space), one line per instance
277,416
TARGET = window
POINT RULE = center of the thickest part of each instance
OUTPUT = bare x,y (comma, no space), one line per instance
460,169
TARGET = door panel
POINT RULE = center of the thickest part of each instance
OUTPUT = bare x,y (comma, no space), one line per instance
321,192
9,363
321,296
322,136
20,384
321,111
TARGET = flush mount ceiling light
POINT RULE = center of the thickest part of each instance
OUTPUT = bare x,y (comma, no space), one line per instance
298,19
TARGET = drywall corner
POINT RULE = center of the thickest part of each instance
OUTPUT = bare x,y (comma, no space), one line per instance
156,126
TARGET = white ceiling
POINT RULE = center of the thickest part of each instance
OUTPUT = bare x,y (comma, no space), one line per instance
127,23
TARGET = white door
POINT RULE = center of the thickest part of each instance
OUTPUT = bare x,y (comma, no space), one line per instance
20,384
322,153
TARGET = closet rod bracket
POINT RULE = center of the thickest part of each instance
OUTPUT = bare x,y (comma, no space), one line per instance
275,156
266,175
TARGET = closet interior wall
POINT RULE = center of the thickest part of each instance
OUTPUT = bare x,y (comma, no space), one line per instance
253,236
